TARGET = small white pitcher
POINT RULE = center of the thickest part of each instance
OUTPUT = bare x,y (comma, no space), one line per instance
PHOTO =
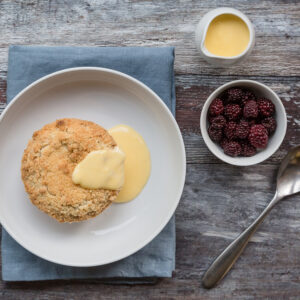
201,31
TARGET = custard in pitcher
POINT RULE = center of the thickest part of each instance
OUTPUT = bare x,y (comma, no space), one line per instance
227,35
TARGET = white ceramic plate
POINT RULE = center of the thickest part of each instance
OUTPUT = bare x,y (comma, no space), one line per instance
108,98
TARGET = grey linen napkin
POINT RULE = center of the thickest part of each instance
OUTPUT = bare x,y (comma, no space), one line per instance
152,66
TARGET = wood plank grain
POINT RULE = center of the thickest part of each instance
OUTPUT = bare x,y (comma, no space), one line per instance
206,222
2,88
158,23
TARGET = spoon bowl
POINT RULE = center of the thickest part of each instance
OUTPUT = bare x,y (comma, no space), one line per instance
288,177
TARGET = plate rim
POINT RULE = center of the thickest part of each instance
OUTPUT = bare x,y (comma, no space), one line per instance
172,210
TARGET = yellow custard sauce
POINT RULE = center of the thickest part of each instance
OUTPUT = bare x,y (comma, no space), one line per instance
101,169
227,35
137,162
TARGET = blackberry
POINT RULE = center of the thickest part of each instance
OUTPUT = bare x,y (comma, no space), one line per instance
270,124
229,130
258,136
232,111
223,142
247,149
250,109
242,129
218,122
232,148
234,95
215,134
265,107
216,107
247,95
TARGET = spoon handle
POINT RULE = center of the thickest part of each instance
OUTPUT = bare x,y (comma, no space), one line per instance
227,258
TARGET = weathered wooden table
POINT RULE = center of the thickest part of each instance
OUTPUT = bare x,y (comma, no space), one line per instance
215,207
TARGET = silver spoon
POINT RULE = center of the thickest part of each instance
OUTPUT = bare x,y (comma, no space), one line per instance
288,183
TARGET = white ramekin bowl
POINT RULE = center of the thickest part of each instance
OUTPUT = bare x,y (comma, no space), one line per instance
275,140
